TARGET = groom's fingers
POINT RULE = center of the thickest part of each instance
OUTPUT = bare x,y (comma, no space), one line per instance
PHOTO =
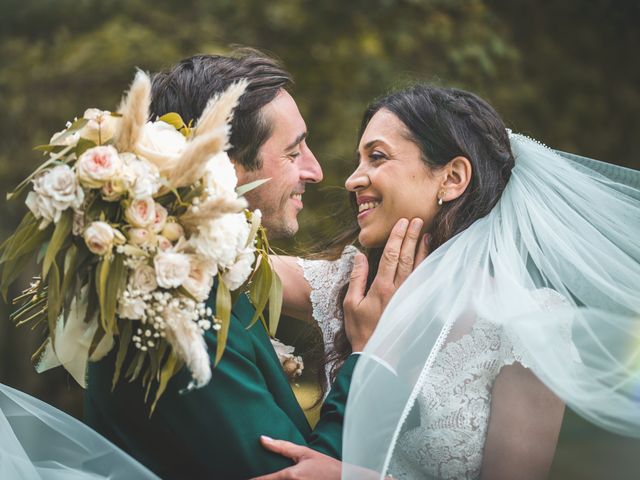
357,281
284,448
285,474
408,251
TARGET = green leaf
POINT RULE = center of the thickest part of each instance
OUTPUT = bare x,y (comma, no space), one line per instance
54,299
135,366
49,148
173,119
12,245
259,288
168,370
11,270
83,145
275,303
102,275
60,234
223,313
123,347
247,187
97,338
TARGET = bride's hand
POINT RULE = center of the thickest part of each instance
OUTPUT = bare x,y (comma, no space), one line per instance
404,250
309,464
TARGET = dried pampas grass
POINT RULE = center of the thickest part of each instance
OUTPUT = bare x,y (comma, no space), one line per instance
210,210
135,112
191,165
219,110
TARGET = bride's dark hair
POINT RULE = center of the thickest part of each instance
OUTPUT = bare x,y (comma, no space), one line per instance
444,123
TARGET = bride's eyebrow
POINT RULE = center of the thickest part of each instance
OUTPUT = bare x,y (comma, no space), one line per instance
373,142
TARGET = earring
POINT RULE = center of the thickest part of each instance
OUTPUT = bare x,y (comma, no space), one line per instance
440,197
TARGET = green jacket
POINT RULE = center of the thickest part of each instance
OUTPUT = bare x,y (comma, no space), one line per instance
213,432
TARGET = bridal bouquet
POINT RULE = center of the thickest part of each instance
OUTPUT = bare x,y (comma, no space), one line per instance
133,221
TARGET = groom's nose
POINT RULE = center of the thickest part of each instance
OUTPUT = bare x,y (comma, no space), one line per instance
310,170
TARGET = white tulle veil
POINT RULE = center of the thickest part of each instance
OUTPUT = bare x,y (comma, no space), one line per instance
38,441
564,224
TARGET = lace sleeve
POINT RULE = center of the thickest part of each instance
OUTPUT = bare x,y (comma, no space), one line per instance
549,300
326,278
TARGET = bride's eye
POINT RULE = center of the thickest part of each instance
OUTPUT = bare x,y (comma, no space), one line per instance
376,156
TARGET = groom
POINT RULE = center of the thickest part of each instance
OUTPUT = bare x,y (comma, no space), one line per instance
214,432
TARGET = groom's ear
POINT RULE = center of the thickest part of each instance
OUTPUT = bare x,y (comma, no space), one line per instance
457,177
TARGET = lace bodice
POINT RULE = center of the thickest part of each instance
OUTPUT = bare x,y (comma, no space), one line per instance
455,401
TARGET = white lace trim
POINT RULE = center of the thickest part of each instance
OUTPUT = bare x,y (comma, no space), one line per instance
326,278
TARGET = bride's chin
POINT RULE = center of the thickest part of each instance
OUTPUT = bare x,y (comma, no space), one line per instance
370,240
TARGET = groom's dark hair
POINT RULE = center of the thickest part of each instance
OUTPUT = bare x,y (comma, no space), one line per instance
187,87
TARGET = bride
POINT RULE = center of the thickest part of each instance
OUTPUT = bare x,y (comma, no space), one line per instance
527,303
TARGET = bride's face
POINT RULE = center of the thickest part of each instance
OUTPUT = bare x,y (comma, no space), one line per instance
391,181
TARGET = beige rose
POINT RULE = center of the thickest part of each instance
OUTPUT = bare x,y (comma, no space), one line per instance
54,191
98,165
143,278
200,279
141,213
172,230
99,237
101,126
172,269
141,237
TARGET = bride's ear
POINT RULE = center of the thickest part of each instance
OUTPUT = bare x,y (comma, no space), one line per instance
457,177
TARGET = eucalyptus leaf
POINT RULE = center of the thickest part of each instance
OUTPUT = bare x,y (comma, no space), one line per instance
275,303
54,299
259,288
247,187
223,313
168,370
60,234
124,340
115,284
102,275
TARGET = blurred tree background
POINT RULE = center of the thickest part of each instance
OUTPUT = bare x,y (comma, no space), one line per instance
562,72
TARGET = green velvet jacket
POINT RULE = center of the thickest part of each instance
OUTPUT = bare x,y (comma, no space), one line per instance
213,432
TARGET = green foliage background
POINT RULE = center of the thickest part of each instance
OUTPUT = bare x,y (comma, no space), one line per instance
563,72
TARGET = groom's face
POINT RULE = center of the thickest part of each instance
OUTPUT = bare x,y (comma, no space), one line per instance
288,162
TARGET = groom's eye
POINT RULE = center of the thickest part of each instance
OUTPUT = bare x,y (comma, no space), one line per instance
294,155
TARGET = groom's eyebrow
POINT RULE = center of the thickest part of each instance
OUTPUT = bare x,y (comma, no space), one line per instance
298,139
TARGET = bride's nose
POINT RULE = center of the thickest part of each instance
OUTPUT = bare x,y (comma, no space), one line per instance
358,180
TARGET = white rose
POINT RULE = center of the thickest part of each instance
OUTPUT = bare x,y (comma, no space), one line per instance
235,276
161,144
222,239
98,165
101,126
54,191
200,279
172,230
220,178
141,213
99,237
172,269
141,237
132,308
144,176
143,278
160,218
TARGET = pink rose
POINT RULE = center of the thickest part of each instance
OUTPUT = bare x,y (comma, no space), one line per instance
141,213
97,166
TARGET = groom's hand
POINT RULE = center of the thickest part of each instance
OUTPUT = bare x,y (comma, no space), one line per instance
404,250
309,464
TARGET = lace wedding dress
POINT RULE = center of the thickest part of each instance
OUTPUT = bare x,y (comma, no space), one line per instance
455,402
